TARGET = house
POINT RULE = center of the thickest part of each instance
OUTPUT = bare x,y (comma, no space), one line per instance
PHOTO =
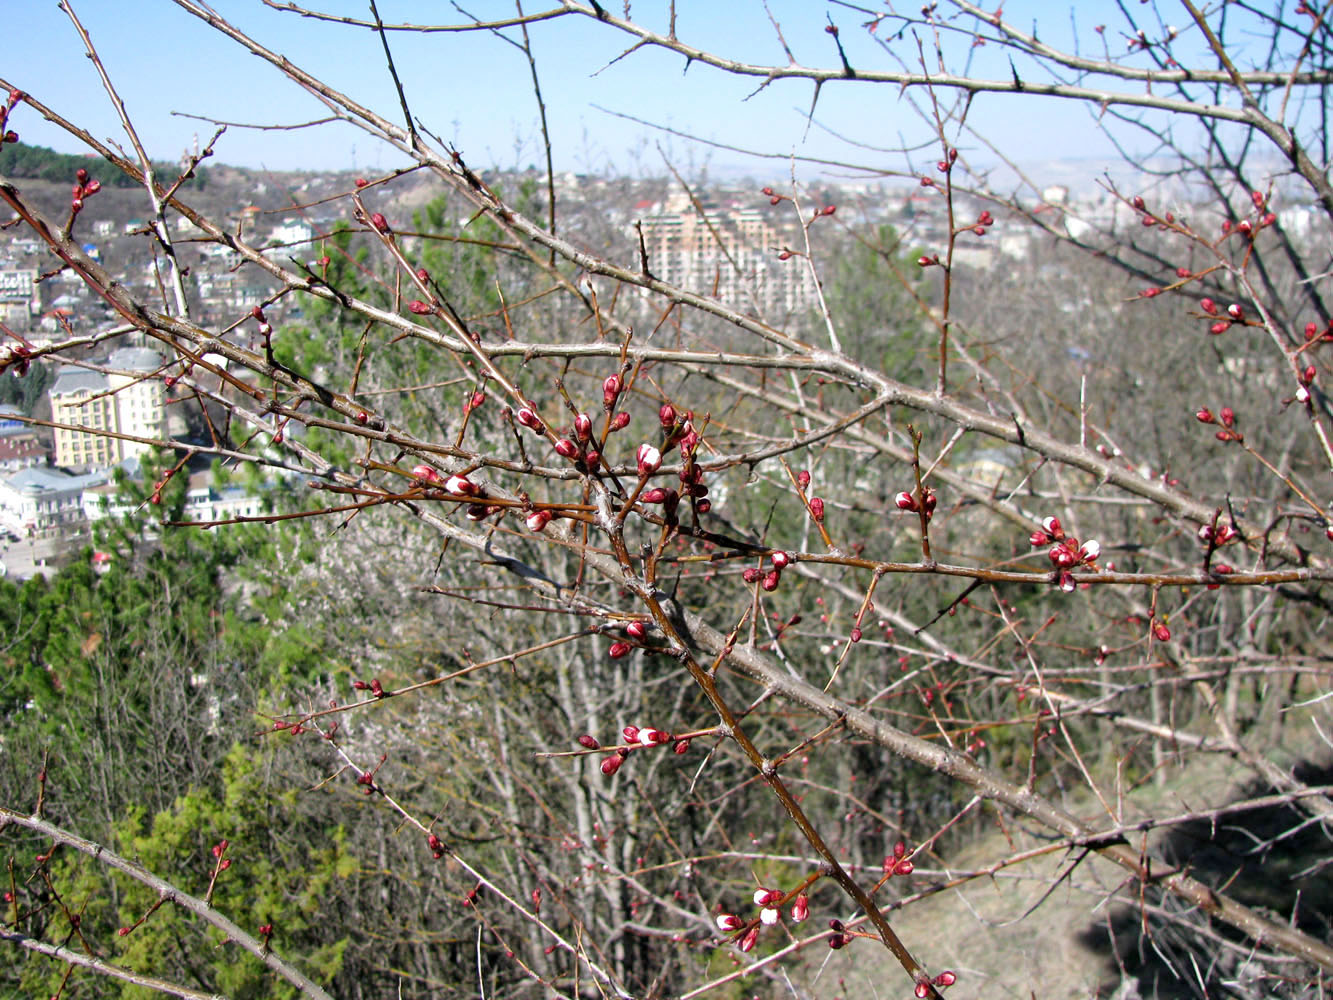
37,500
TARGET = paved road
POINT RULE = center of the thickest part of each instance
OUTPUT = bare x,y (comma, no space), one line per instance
28,557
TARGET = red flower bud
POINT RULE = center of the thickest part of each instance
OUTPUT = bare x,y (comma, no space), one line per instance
649,459
1235,311
611,764
666,416
1228,416
1204,416
817,509
461,486
1160,632
566,448
610,391
423,473
420,308
771,580
619,650
800,909
379,223
589,742
803,478
527,416
636,630
538,520
780,559
583,427
620,421
681,746
905,501
1208,306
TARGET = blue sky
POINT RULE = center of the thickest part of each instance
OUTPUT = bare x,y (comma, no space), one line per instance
475,91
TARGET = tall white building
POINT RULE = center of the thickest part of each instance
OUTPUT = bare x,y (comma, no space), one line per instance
729,253
128,399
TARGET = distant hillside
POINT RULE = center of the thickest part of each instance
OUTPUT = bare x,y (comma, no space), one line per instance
20,160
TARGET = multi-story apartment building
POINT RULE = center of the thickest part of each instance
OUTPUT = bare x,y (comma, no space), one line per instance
122,401
728,253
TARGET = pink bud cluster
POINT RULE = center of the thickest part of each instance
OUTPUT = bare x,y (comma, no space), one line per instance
1227,417
769,579
374,686
769,902
1067,552
898,863
944,979
436,846
636,738
83,188
1218,536
907,501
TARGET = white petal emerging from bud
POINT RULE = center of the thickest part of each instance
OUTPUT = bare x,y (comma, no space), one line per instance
649,459
769,915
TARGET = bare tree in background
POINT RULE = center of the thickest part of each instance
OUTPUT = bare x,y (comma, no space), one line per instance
734,620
